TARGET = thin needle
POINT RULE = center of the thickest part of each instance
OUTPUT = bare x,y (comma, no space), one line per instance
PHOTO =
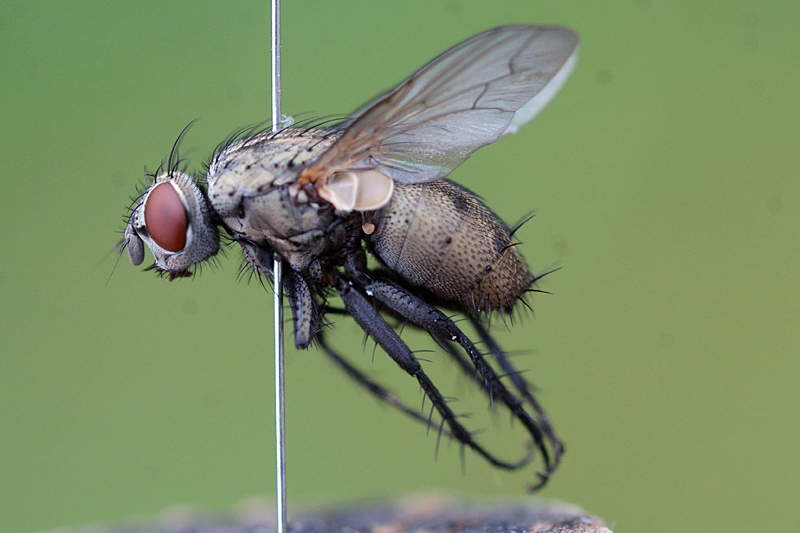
277,274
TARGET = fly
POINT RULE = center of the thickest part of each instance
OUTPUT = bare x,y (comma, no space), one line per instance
325,197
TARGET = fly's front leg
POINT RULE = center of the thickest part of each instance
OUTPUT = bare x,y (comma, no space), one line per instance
364,313
259,258
305,314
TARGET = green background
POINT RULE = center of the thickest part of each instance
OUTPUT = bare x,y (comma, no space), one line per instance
666,179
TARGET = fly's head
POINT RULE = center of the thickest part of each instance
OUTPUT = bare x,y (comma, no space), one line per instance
174,219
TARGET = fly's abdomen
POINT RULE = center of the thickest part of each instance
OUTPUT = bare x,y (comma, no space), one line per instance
439,236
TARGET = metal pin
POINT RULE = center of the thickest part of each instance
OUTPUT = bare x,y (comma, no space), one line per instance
277,271
280,423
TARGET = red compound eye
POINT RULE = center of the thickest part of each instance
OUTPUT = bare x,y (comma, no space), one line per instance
165,217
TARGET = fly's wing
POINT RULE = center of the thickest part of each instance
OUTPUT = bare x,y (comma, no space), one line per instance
466,98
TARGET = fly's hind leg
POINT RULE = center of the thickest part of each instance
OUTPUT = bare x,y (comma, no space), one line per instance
522,386
438,324
364,312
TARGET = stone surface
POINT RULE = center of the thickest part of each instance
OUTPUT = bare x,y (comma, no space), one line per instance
427,513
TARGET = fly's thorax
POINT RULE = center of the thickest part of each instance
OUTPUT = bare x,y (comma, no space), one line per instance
255,165
250,186
174,219
299,231
440,237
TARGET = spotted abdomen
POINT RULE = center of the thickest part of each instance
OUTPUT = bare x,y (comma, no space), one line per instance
439,236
